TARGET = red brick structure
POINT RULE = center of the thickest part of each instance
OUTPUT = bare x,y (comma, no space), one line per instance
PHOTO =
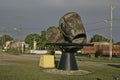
101,49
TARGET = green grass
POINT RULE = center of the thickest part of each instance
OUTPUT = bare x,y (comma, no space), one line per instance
102,72
25,70
29,70
99,59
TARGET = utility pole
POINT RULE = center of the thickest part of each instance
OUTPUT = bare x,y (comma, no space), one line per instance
110,44
19,27
19,32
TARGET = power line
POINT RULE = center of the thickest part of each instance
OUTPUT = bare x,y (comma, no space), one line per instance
95,29
101,21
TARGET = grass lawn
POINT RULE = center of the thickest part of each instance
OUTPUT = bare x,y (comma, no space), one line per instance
29,70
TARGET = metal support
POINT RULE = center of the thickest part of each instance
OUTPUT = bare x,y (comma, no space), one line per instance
67,62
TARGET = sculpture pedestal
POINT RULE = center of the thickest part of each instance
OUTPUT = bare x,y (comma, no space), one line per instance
67,61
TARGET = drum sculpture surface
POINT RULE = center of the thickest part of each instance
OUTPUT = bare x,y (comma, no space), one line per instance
68,37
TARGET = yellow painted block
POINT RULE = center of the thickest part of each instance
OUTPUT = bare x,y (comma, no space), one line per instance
46,61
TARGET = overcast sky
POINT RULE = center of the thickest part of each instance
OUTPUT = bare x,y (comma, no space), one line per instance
37,15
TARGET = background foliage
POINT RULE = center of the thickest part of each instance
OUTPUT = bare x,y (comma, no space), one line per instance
99,38
40,39
5,38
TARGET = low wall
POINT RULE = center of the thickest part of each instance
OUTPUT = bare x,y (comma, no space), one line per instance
43,52
38,51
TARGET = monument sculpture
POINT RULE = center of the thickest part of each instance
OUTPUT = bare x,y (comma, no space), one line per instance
69,37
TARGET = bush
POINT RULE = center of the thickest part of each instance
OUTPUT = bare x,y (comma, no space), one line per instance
13,51
51,52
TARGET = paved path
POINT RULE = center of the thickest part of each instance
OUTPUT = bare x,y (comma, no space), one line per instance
7,57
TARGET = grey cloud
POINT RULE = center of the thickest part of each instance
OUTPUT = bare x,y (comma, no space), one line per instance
44,13
51,3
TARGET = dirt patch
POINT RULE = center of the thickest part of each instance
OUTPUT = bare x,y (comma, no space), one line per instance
74,72
6,58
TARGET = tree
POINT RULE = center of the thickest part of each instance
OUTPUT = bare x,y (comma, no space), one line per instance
30,38
118,43
5,38
42,41
99,38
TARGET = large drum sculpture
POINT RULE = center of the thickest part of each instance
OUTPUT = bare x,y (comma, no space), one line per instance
69,37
